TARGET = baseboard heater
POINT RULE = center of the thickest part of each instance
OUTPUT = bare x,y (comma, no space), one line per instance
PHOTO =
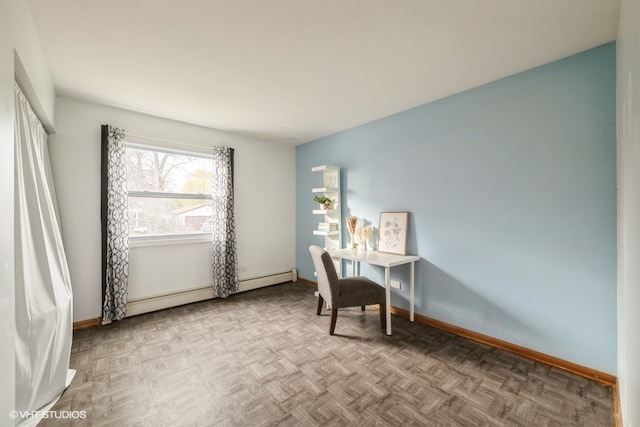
174,299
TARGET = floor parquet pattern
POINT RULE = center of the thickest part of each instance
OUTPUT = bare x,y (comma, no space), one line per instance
264,358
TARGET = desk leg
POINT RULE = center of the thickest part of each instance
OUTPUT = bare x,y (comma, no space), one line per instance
387,291
412,291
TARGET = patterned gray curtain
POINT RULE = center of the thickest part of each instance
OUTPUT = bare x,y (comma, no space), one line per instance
224,259
115,225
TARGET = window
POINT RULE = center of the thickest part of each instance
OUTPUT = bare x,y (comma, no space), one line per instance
169,191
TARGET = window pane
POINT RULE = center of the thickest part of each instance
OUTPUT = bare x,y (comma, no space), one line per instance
149,170
161,216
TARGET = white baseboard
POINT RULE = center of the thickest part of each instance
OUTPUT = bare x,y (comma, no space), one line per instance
160,302
272,279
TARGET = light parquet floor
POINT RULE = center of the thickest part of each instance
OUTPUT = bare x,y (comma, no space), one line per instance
264,358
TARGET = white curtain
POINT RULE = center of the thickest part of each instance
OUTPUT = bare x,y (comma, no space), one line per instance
43,286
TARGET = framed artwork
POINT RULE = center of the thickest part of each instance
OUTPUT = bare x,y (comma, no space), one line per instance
392,233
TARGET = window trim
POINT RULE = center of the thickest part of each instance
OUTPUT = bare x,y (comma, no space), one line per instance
167,195
169,240
162,149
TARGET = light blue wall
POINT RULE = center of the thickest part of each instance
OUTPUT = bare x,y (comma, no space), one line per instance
511,189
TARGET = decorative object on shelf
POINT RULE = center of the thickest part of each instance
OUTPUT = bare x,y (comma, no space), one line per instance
392,236
328,226
329,181
325,202
352,222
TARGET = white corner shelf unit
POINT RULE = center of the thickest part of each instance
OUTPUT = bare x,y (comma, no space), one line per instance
330,187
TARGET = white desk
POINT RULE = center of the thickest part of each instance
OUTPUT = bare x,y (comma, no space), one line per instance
383,260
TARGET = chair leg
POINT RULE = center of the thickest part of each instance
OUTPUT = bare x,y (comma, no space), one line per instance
383,316
334,317
320,304
362,307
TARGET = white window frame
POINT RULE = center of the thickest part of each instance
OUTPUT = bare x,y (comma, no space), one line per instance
177,238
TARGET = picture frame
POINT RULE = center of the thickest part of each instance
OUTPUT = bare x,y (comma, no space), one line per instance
392,232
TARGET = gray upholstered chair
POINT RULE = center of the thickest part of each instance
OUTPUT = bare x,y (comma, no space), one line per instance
346,292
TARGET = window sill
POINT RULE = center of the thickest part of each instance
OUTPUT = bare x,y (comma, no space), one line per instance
172,240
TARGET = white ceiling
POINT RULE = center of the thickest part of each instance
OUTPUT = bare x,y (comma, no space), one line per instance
296,70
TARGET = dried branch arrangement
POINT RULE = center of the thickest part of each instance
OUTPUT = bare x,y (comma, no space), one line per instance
352,221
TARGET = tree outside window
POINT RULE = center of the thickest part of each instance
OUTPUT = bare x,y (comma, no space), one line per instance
169,192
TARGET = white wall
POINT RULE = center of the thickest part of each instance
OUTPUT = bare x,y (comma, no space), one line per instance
36,81
17,36
628,71
7,278
265,204
159,270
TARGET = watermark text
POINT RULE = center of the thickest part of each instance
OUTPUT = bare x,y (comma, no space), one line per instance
76,415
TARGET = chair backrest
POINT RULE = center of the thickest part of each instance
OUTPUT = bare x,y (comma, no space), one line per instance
328,284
